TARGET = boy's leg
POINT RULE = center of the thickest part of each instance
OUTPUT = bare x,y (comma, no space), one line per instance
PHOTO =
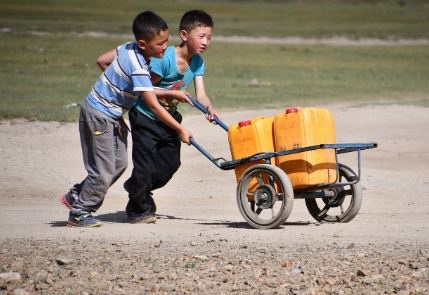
121,156
101,153
121,162
167,156
144,132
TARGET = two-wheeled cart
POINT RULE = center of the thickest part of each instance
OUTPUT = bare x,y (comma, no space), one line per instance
265,194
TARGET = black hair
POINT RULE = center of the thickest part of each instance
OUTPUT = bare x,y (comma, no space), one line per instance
147,25
195,18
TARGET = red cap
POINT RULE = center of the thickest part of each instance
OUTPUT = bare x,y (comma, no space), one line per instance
244,123
291,110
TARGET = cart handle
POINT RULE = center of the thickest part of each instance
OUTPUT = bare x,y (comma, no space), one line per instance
203,109
206,153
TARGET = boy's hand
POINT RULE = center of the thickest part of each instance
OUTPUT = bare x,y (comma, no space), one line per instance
179,95
182,96
185,135
212,113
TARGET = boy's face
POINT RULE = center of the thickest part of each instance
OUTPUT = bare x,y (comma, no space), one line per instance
155,47
198,39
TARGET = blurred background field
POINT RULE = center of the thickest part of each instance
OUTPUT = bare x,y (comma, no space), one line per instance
48,50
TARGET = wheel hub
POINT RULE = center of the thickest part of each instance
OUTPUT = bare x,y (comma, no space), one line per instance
264,196
337,200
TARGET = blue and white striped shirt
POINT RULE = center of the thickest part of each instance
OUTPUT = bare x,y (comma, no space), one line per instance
121,83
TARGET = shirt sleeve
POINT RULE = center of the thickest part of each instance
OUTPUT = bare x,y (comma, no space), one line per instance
158,66
141,81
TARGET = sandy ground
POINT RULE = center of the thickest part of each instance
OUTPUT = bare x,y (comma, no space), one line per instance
39,161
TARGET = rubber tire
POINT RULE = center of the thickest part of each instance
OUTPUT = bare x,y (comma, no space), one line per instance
287,203
355,203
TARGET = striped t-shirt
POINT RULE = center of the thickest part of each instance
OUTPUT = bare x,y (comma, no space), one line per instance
121,83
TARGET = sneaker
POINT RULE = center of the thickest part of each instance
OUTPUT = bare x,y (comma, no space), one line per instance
144,218
68,199
78,217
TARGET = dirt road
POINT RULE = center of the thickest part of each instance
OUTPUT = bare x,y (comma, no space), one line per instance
200,243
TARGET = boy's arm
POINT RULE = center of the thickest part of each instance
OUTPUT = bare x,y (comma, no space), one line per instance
104,60
203,98
152,102
182,96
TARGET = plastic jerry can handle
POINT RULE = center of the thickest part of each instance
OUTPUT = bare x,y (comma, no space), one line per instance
291,110
244,123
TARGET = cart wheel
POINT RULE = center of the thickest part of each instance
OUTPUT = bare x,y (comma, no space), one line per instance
265,196
344,206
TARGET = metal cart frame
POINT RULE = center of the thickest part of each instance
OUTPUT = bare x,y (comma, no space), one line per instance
265,195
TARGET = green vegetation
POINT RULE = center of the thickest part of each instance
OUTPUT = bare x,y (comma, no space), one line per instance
43,73
316,18
302,74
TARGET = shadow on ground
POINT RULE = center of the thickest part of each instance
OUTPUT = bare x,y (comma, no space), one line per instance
121,217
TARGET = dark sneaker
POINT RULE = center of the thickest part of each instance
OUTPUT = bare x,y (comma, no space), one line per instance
71,196
144,218
68,199
82,218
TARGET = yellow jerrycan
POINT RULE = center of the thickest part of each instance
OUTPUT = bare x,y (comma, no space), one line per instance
250,137
302,127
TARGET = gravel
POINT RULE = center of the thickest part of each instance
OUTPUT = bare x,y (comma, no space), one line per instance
210,267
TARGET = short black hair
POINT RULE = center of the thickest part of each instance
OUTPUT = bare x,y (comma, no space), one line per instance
147,25
195,18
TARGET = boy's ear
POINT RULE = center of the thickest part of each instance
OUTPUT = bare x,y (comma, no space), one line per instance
141,44
183,35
